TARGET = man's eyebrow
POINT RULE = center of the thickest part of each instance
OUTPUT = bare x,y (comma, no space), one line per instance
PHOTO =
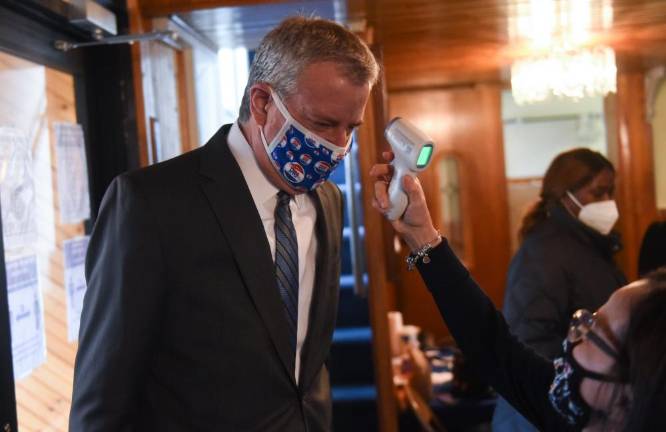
323,118
320,118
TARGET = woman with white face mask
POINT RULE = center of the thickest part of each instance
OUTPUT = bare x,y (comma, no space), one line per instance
565,260
610,372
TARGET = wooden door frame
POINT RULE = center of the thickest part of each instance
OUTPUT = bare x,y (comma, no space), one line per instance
381,265
189,39
630,149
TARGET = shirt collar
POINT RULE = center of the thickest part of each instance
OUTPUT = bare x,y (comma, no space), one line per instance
264,193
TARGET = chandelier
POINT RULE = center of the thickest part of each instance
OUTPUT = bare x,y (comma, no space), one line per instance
572,74
565,66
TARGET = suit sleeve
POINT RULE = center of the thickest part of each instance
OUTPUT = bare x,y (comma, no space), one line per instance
537,302
122,311
515,371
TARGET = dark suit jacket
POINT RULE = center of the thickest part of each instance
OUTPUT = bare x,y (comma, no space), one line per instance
183,327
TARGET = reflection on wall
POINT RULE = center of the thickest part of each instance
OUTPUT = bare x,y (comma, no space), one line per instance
451,207
534,135
207,89
659,145
234,71
160,77
23,106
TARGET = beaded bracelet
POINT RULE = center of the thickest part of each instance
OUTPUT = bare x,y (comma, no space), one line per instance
422,253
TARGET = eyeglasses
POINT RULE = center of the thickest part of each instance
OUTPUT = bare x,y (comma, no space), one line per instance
580,328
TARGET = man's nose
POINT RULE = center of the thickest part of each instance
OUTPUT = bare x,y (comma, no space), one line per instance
339,137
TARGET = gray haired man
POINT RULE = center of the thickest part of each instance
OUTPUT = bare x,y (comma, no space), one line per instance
213,277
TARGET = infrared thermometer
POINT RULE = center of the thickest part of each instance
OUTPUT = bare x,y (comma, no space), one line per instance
413,150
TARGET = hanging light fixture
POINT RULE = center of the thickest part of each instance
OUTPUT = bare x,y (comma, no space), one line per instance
564,65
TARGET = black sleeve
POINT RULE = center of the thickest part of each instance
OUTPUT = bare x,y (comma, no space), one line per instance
536,301
121,312
520,375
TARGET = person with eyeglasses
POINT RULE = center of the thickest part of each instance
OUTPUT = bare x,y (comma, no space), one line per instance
611,373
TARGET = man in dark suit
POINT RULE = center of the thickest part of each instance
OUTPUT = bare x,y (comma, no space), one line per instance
213,277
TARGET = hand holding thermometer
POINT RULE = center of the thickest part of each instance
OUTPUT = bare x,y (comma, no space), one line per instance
413,150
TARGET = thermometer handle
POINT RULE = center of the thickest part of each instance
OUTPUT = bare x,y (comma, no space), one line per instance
397,196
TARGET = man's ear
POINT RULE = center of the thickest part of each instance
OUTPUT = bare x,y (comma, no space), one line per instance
260,96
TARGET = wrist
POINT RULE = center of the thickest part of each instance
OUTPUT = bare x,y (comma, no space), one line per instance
419,238
421,253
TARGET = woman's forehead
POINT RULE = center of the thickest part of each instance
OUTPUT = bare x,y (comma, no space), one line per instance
615,313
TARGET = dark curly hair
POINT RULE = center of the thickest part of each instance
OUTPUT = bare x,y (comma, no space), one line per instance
645,354
569,171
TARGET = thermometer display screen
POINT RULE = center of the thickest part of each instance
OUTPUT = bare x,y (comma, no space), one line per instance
424,156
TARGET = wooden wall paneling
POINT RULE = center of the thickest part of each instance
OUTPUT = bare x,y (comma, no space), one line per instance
522,194
465,121
491,227
381,295
434,42
633,157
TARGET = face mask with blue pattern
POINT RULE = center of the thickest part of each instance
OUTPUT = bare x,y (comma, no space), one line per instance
303,159
564,393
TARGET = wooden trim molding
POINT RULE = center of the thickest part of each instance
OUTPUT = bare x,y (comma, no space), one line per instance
635,168
381,293
186,103
138,25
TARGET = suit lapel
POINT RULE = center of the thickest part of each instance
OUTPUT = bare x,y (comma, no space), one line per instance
231,201
323,309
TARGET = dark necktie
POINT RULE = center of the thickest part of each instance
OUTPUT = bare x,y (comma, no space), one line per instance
286,263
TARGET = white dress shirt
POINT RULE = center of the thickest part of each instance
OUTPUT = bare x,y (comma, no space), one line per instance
304,217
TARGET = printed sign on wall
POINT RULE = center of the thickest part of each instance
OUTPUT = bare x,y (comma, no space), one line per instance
72,173
75,282
17,190
26,314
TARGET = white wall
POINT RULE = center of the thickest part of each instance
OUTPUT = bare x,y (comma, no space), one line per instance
535,134
234,71
207,88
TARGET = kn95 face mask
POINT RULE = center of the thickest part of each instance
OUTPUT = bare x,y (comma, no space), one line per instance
600,216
